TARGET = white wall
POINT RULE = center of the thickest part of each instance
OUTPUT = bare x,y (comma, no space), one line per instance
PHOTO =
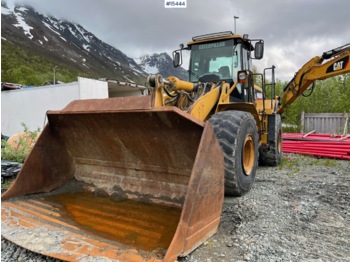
29,106
91,88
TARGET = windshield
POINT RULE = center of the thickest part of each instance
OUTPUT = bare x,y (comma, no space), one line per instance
212,62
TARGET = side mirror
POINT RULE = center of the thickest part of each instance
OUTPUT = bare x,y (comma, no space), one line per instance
177,58
259,50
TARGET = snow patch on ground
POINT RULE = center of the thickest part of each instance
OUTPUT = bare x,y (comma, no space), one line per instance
150,69
128,79
82,32
135,69
6,11
137,60
22,9
72,31
20,20
50,27
86,47
55,23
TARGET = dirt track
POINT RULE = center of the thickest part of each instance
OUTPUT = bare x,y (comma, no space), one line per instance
299,211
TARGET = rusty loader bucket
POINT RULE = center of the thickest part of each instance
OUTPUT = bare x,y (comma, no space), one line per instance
116,180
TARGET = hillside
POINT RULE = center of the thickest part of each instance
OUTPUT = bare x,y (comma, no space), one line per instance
33,44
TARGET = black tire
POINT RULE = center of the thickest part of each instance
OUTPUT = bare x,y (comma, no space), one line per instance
271,154
237,134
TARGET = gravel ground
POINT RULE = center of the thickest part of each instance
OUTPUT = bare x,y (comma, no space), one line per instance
298,211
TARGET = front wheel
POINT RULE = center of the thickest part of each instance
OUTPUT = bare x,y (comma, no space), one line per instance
237,134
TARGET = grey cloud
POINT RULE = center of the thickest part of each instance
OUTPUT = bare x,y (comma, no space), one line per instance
294,30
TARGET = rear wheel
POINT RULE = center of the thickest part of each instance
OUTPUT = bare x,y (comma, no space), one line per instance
237,134
271,154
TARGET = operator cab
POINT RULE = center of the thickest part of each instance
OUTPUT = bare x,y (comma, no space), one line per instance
217,61
220,57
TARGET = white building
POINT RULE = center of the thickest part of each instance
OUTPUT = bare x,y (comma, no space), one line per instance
29,106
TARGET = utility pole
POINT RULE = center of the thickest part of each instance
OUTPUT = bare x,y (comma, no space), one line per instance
235,18
54,75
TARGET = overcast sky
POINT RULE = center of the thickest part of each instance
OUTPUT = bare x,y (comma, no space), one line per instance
294,31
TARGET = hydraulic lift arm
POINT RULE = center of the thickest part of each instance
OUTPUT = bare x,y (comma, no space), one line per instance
338,62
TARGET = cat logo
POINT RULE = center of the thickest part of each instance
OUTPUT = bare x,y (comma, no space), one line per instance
338,65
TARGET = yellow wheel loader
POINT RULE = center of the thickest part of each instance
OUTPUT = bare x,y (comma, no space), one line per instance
143,178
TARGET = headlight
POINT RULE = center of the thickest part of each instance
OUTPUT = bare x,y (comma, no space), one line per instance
242,77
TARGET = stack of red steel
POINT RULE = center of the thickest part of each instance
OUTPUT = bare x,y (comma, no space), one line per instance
322,145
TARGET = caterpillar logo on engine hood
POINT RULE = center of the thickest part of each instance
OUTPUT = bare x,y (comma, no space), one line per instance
338,65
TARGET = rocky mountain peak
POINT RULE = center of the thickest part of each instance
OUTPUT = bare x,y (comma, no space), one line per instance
162,64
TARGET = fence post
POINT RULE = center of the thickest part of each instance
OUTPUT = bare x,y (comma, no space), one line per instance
346,116
302,119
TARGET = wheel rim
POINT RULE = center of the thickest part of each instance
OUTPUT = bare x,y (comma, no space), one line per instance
248,155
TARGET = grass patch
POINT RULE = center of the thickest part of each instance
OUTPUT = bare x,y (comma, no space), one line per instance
291,163
18,150
329,162
313,161
288,161
7,183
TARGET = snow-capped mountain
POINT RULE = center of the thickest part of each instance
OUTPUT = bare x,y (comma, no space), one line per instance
66,43
70,45
161,64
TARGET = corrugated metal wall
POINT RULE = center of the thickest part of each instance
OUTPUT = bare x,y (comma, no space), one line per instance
325,123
